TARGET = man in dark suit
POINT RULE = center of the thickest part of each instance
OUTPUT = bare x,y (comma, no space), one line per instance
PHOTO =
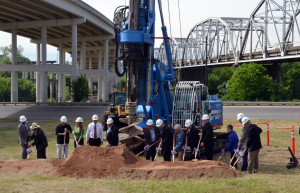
167,139
253,144
152,136
192,136
207,140
24,136
40,141
112,135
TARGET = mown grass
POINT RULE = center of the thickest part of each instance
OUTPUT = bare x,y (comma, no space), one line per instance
272,177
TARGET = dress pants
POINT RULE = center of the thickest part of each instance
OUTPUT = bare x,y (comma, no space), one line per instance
95,142
253,161
24,151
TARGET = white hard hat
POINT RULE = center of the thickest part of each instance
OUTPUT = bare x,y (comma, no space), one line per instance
79,120
149,122
109,121
159,122
245,120
188,123
240,116
95,117
63,119
23,119
205,117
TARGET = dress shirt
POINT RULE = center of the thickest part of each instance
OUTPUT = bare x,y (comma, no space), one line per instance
90,131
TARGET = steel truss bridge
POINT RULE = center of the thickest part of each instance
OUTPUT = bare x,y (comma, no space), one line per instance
270,35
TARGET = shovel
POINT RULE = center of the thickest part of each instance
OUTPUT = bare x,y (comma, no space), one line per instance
149,148
238,159
233,157
186,140
173,155
64,145
221,156
29,151
196,153
157,150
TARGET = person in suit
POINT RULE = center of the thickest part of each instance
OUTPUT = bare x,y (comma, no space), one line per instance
167,139
40,141
192,136
253,144
24,136
151,135
207,140
112,135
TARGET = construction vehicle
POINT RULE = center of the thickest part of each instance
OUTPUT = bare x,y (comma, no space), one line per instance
115,110
149,93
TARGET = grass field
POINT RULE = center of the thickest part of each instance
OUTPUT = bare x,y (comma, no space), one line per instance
272,177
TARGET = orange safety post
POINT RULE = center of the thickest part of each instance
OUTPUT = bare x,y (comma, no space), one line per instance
268,134
293,139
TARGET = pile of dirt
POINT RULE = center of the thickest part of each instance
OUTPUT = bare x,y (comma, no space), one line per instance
88,161
181,170
95,162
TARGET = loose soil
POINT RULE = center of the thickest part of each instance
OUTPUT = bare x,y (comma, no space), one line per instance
95,162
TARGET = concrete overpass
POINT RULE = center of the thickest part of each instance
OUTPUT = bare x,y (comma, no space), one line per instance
70,25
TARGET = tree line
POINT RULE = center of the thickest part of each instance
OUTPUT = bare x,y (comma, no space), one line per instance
250,82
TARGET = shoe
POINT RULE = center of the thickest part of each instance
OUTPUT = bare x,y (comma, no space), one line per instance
255,171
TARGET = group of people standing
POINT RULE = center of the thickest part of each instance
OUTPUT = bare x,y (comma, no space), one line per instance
249,144
161,138
94,136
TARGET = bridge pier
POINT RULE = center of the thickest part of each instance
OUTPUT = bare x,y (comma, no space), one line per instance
274,71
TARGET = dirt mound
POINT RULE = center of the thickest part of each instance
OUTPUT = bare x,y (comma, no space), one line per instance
88,161
95,162
181,170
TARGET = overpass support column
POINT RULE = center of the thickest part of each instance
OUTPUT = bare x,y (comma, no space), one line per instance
100,78
44,75
38,74
90,78
61,86
83,55
74,55
14,75
105,82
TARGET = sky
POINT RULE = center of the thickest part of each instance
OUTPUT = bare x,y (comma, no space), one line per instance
191,13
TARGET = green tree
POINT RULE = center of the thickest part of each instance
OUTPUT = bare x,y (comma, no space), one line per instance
217,79
291,78
80,89
26,91
6,57
4,89
250,82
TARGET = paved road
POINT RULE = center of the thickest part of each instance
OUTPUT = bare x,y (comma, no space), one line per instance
275,112
40,113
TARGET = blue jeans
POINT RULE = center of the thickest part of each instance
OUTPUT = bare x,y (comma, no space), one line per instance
245,162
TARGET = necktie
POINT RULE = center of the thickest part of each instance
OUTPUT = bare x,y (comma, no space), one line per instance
95,132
